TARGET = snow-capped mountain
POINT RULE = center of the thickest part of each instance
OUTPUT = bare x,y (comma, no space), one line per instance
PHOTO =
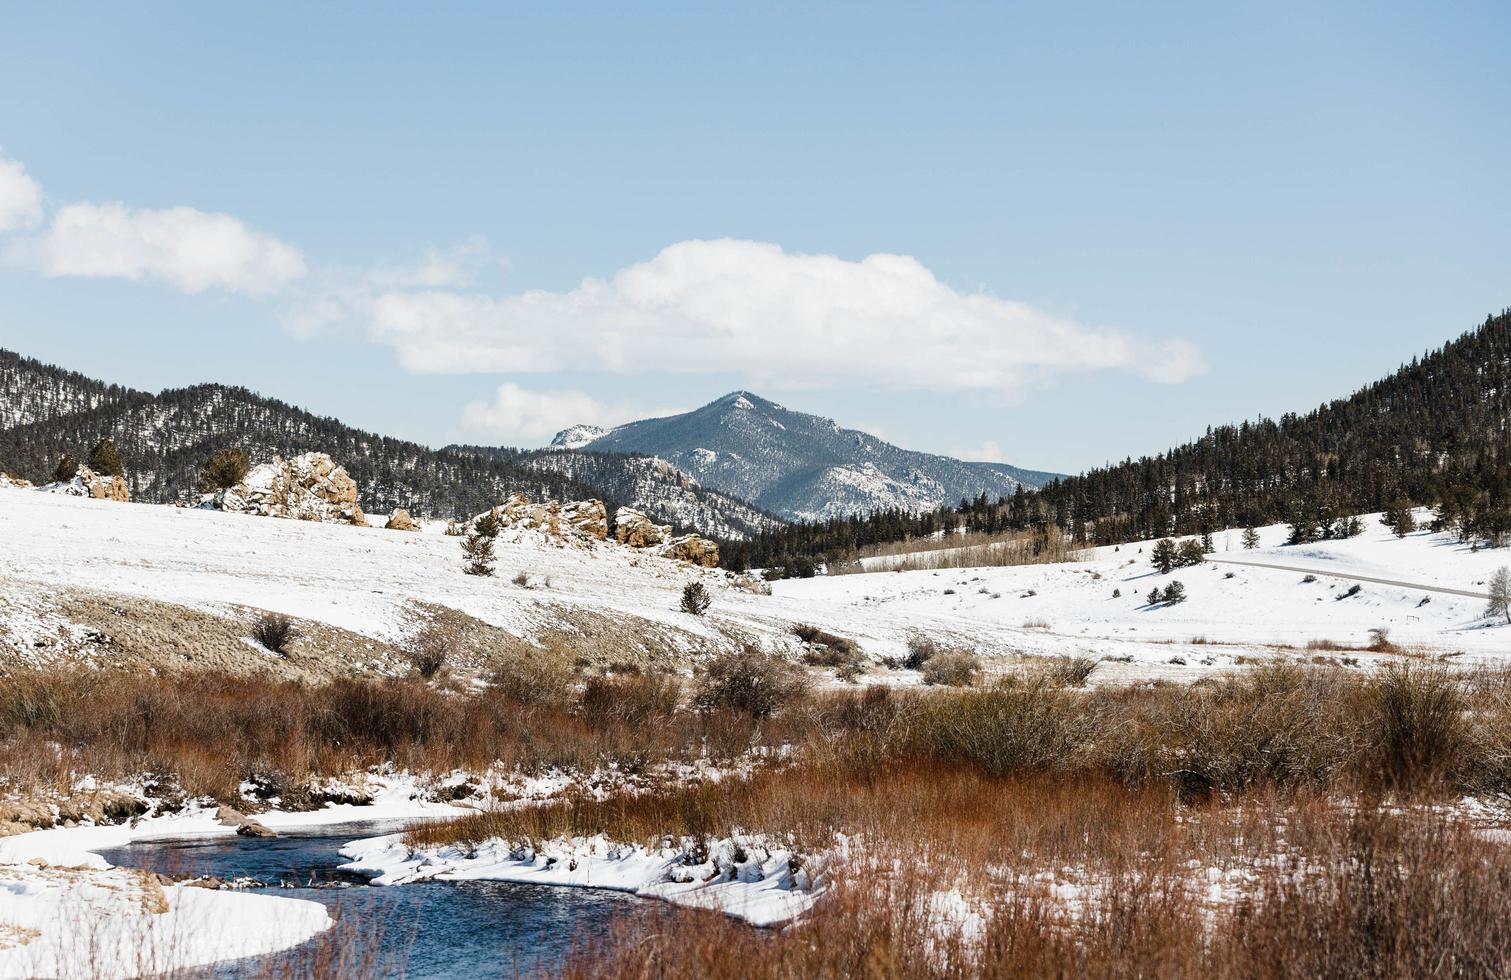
800,466
577,436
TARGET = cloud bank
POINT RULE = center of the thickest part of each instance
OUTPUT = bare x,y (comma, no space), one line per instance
20,196
780,319
190,250
519,413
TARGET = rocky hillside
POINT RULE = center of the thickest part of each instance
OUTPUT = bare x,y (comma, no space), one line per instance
658,488
165,438
800,466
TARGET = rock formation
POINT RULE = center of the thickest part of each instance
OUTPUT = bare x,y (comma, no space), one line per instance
87,483
401,521
13,482
309,487
692,548
584,519
634,529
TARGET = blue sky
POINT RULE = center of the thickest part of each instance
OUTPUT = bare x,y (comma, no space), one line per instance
1094,231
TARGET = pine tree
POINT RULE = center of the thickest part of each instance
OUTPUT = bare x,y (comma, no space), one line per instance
1190,553
105,460
68,465
1250,538
224,469
1163,557
1399,519
477,546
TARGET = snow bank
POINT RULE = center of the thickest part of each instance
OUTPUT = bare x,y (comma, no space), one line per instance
66,912
740,876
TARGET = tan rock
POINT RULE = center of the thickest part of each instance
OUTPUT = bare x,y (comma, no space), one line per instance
13,482
692,548
634,529
309,487
400,520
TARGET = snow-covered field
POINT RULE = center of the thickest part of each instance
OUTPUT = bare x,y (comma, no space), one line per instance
370,581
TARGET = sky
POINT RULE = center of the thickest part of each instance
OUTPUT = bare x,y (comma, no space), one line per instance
1021,232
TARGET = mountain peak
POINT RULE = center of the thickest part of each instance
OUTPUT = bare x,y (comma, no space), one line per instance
798,465
576,436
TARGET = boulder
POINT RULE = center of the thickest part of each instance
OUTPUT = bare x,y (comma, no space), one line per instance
13,482
692,548
580,520
401,521
87,483
634,529
309,487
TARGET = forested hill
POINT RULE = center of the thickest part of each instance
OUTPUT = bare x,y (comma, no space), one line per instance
165,438
1436,432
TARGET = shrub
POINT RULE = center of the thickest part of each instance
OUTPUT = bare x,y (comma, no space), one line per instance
68,465
920,649
428,654
1351,591
1015,725
1174,593
275,631
633,699
828,650
1190,553
1308,579
224,469
1379,640
535,679
105,459
695,599
1070,671
1416,722
952,668
750,681
1153,597
1117,593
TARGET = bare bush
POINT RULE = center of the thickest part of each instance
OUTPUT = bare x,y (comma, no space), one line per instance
275,631
535,680
633,699
428,654
750,681
921,649
952,668
1070,671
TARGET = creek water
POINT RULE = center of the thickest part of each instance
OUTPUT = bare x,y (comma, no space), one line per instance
427,930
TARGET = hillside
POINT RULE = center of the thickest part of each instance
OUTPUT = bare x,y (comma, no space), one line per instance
1436,432
800,466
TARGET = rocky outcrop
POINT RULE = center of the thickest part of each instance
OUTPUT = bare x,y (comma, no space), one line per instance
87,483
309,487
580,519
13,482
692,548
400,520
634,529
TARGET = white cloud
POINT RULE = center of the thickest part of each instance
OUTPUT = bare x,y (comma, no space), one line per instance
779,319
517,413
189,249
988,452
20,196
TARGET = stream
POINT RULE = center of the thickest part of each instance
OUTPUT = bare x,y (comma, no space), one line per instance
423,930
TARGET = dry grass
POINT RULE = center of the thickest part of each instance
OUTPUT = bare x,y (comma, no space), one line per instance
969,551
1366,896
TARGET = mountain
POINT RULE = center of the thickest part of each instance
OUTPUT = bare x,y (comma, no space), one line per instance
1435,432
656,487
799,466
164,438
